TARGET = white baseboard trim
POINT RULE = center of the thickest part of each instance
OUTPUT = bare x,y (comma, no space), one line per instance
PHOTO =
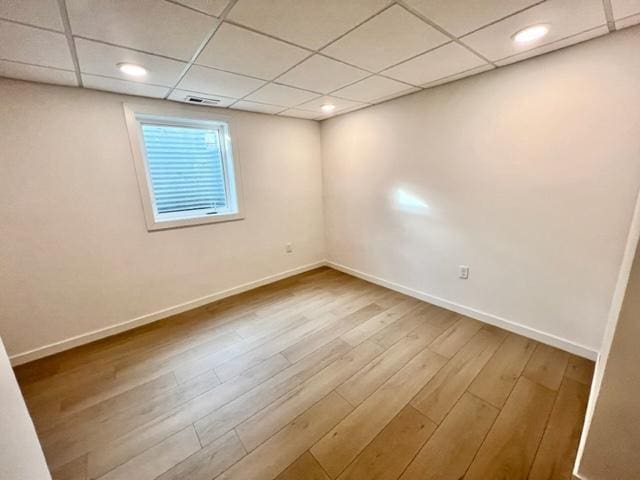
509,325
88,337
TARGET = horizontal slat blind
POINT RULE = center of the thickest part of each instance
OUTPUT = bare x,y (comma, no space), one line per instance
185,168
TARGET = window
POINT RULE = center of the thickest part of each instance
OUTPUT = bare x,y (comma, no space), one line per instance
185,167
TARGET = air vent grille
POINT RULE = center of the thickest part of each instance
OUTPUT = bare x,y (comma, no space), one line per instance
212,102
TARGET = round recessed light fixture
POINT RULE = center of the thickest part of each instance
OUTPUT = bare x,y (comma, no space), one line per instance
531,34
132,69
328,107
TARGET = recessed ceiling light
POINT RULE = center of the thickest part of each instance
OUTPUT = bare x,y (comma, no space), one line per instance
328,108
531,34
132,69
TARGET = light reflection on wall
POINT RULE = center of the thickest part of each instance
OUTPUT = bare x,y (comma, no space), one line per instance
408,202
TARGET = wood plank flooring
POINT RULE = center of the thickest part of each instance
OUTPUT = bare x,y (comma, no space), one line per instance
321,376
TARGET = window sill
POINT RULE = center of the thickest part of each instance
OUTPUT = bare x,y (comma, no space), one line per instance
155,225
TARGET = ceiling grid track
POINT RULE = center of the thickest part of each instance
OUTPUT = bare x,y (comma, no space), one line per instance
608,13
383,80
204,43
64,14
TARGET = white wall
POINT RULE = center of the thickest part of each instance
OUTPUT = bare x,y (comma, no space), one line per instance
21,456
611,436
528,174
76,255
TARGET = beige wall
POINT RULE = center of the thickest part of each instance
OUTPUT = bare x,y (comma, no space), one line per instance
610,449
76,255
528,174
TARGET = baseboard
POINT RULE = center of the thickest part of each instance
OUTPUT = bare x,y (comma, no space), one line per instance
509,325
94,335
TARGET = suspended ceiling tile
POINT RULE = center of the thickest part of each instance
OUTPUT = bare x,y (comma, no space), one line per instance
42,13
210,7
34,73
296,113
100,59
439,63
564,17
34,45
321,74
239,50
626,12
387,39
581,37
463,16
155,26
281,95
625,8
257,107
123,86
628,22
310,23
458,76
217,82
373,88
341,105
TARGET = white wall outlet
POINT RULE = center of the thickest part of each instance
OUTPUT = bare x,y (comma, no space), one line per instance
288,248
463,272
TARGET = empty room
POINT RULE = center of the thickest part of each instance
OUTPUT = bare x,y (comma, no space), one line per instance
319,239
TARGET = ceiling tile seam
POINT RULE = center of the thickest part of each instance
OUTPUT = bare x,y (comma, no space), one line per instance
332,92
202,45
317,51
2,59
373,104
117,45
443,31
231,71
627,17
428,85
382,74
190,8
268,35
368,19
26,24
454,39
552,43
64,14
608,14
494,22
165,57
126,80
274,81
379,72
312,53
368,102
269,104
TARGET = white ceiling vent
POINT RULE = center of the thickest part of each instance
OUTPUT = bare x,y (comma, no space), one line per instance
211,102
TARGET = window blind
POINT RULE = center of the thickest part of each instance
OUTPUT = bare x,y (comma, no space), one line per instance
185,167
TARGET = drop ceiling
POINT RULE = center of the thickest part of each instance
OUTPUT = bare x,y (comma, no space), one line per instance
285,57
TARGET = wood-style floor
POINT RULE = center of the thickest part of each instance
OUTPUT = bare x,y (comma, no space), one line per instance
320,376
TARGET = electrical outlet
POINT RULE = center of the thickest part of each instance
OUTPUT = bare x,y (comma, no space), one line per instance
288,248
463,272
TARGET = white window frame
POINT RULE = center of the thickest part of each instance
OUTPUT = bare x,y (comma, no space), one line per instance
135,115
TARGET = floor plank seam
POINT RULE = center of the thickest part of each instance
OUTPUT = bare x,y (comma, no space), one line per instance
268,330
